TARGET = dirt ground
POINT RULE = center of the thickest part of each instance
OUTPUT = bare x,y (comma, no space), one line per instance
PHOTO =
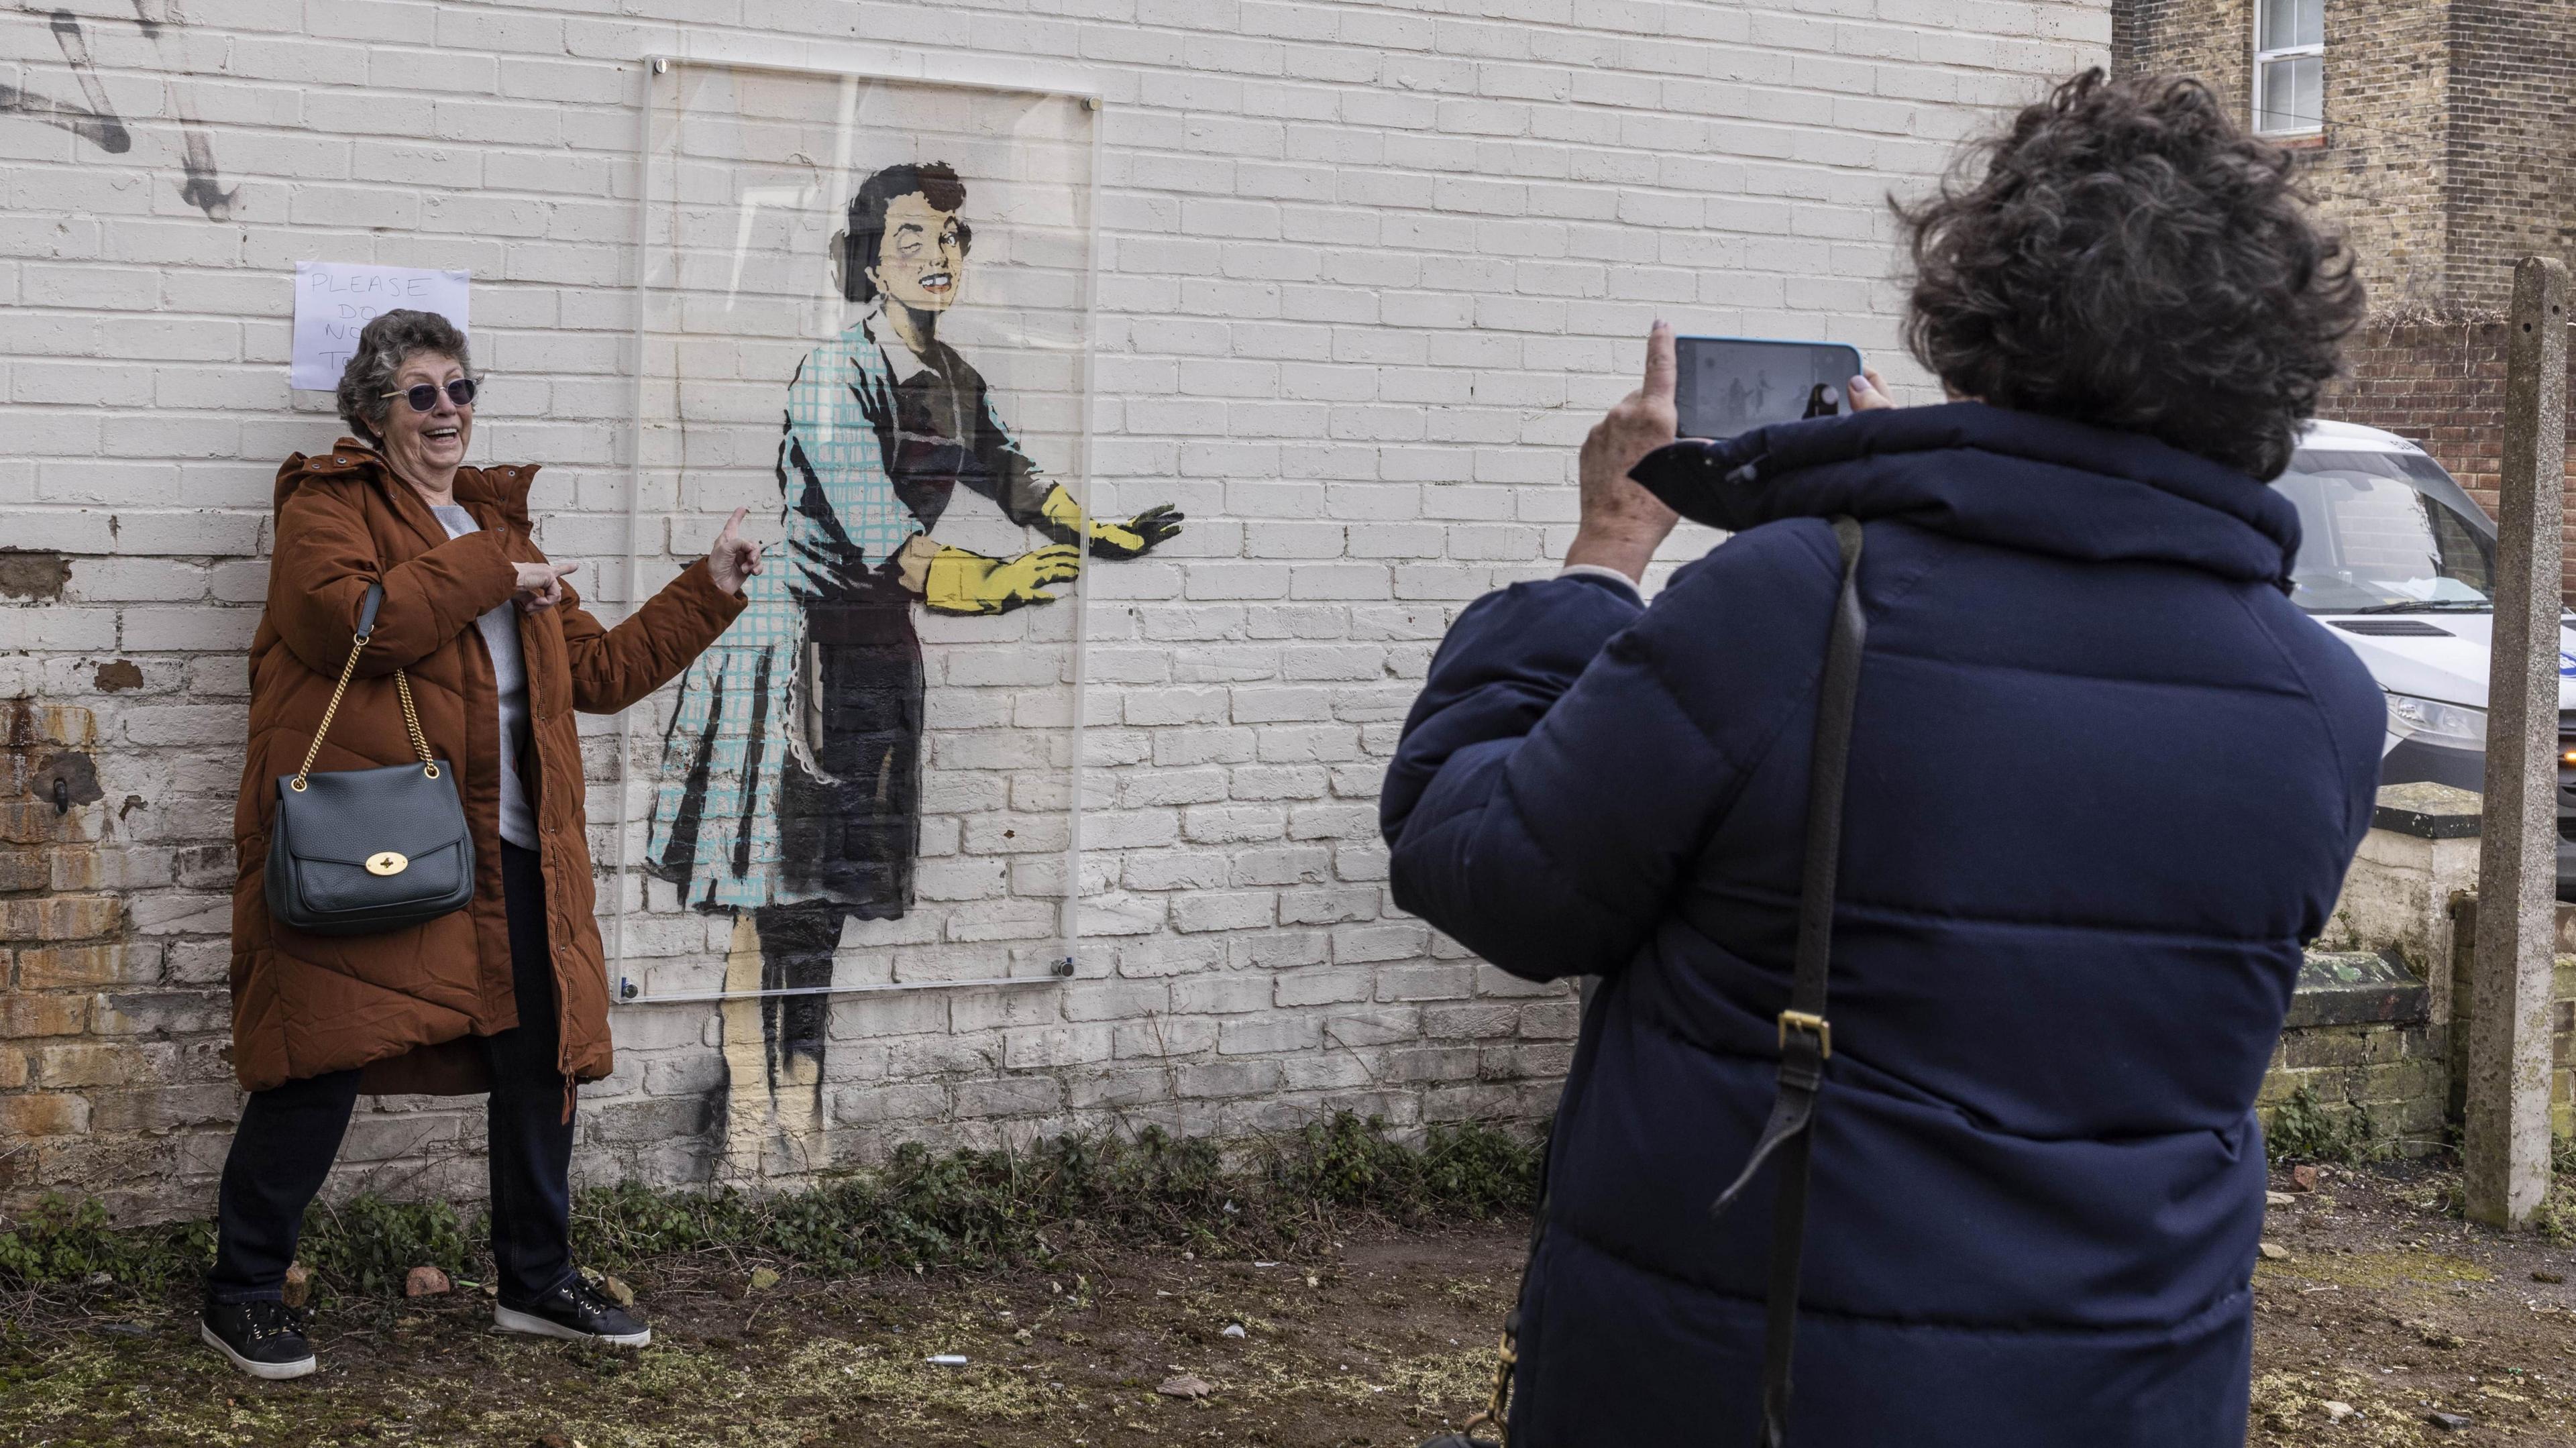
2385,1312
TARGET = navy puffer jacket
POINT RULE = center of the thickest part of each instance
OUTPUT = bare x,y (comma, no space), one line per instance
2104,783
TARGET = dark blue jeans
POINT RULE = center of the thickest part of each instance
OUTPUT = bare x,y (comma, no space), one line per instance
290,1133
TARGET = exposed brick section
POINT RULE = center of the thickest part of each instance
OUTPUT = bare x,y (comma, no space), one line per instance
2441,385
2379,169
2509,186
1367,272
2211,39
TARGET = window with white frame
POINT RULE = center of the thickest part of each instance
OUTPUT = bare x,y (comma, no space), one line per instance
2289,67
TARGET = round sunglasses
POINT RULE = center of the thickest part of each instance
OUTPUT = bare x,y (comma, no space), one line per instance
424,395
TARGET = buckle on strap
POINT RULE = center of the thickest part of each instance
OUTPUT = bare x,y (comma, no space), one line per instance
1814,1025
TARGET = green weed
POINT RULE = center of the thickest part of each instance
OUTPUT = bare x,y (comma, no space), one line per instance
2306,1128
920,1210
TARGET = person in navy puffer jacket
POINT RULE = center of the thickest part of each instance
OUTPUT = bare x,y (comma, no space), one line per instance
2104,783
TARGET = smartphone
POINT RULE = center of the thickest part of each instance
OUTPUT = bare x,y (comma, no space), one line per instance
1728,385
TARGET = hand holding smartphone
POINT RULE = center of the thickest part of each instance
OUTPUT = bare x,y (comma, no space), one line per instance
1700,387
1728,385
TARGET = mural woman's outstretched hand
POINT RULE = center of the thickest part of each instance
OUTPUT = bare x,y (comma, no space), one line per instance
1137,536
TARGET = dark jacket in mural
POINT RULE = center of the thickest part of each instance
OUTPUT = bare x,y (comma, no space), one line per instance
2105,780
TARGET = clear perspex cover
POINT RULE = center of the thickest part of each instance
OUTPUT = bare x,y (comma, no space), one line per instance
865,316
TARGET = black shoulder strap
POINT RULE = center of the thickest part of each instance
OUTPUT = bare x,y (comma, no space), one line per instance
1806,1037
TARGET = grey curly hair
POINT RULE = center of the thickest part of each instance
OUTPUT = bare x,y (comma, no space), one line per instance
383,347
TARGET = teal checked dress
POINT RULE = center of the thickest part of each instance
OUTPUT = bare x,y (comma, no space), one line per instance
791,770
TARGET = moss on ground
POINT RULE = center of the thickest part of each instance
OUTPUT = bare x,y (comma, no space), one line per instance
2377,1269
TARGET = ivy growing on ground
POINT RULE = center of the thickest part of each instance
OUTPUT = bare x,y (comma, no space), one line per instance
967,1209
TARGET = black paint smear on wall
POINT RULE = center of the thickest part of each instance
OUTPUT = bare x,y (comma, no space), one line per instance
203,189
105,132
67,34
98,123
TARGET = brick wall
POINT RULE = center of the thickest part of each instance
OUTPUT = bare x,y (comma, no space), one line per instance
2449,149
2509,182
2392,1076
1368,271
2211,39
2440,384
2378,169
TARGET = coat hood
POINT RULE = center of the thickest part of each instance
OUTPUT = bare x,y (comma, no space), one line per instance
504,488
1990,475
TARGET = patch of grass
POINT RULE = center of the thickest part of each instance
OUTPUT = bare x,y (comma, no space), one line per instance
986,1208
1343,1161
919,1210
363,1245
72,1242
369,1245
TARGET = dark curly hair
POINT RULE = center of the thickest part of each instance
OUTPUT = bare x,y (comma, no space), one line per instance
2131,258
864,240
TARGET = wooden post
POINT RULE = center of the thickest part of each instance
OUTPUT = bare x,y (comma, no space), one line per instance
2507,1141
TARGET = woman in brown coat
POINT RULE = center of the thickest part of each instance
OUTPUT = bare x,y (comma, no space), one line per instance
508,995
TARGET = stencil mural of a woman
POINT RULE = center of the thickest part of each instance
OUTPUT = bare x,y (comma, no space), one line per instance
791,775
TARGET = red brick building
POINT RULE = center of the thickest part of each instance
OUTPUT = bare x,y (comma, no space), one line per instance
2441,136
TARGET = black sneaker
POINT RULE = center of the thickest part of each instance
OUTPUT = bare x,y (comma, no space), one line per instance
576,1312
264,1339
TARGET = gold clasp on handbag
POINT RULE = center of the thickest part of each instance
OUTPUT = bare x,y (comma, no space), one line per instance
1814,1025
387,862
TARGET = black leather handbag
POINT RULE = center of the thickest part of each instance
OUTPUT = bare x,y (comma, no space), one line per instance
363,851
1806,1040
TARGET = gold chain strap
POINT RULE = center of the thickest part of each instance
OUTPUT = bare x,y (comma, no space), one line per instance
411,722
1498,1403
411,718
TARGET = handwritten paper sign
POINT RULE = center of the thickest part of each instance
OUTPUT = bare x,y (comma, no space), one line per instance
334,300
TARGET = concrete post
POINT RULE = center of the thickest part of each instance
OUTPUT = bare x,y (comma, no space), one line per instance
2507,1140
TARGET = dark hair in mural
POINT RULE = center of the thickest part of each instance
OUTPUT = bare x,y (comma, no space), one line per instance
937,183
2131,258
384,345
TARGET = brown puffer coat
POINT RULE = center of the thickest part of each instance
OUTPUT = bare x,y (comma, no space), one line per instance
406,1005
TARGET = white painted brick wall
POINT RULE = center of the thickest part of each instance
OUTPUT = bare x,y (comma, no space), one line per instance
1368,271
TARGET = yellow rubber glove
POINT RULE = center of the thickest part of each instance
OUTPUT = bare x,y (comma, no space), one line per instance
1133,538
963,582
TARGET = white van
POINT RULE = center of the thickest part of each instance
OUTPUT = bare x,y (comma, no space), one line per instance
2399,561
